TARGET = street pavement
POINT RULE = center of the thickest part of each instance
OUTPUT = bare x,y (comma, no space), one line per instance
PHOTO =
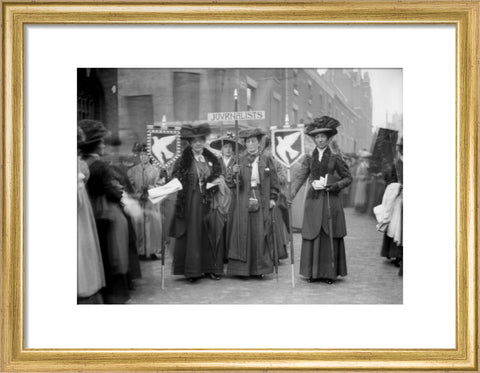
371,279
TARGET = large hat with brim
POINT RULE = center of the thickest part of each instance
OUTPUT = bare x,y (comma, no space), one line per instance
93,130
251,132
227,139
190,131
323,124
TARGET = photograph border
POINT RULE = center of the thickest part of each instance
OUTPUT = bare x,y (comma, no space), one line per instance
16,15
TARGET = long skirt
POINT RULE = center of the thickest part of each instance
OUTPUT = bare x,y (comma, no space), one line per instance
148,229
113,235
259,254
316,258
90,274
194,254
390,249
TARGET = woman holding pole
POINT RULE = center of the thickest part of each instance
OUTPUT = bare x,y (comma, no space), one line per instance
323,249
252,255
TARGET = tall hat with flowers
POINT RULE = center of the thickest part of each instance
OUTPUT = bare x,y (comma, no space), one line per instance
323,124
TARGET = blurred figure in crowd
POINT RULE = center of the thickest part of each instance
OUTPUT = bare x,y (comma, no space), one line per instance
105,195
148,228
90,273
362,177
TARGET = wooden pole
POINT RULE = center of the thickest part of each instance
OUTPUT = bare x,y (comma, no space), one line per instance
237,177
290,228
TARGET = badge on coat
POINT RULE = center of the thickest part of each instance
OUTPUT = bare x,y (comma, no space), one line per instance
164,145
288,145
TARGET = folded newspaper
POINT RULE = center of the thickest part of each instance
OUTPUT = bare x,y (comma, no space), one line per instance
156,195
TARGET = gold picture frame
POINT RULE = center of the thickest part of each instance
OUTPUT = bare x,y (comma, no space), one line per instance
464,15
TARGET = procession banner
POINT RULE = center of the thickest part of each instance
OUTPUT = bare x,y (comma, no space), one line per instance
288,145
164,145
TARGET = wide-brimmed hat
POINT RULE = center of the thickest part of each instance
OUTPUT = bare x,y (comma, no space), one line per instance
323,124
251,132
227,139
93,130
189,131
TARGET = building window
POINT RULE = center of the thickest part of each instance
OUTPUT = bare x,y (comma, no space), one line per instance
276,110
186,96
250,97
295,116
85,108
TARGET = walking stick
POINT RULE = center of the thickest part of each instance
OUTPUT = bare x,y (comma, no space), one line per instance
290,229
330,226
275,247
162,219
237,186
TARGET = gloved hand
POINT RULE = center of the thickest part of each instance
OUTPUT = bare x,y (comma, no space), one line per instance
333,188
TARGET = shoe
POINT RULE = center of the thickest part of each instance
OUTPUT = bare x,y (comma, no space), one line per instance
154,257
212,276
310,279
192,279
329,281
142,257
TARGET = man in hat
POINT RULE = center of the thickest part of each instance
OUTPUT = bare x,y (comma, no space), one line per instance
194,255
327,174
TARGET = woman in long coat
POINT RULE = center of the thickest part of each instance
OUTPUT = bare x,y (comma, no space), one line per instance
316,261
252,253
105,194
194,255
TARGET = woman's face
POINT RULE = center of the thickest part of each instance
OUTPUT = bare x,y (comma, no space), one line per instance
100,148
197,144
252,144
227,150
321,140
144,157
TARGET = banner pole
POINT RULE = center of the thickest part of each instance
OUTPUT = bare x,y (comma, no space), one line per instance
237,176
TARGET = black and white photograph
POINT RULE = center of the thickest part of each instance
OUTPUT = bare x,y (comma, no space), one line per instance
240,186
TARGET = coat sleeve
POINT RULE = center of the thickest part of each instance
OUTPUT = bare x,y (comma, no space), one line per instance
345,176
274,181
301,175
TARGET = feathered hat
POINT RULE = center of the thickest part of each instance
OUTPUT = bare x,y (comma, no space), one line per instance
189,131
324,124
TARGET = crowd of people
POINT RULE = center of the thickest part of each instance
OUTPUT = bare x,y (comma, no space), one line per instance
229,218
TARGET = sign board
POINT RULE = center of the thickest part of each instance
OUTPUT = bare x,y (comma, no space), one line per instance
236,115
164,145
288,145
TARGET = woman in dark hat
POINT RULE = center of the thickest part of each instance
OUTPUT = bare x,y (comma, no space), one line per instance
316,261
105,194
251,242
227,145
194,255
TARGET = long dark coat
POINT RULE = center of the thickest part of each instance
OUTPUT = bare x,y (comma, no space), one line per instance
193,254
316,214
261,232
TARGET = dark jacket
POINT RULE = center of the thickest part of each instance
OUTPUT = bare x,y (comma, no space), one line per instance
316,213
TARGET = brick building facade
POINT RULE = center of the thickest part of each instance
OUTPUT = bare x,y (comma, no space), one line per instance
127,100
